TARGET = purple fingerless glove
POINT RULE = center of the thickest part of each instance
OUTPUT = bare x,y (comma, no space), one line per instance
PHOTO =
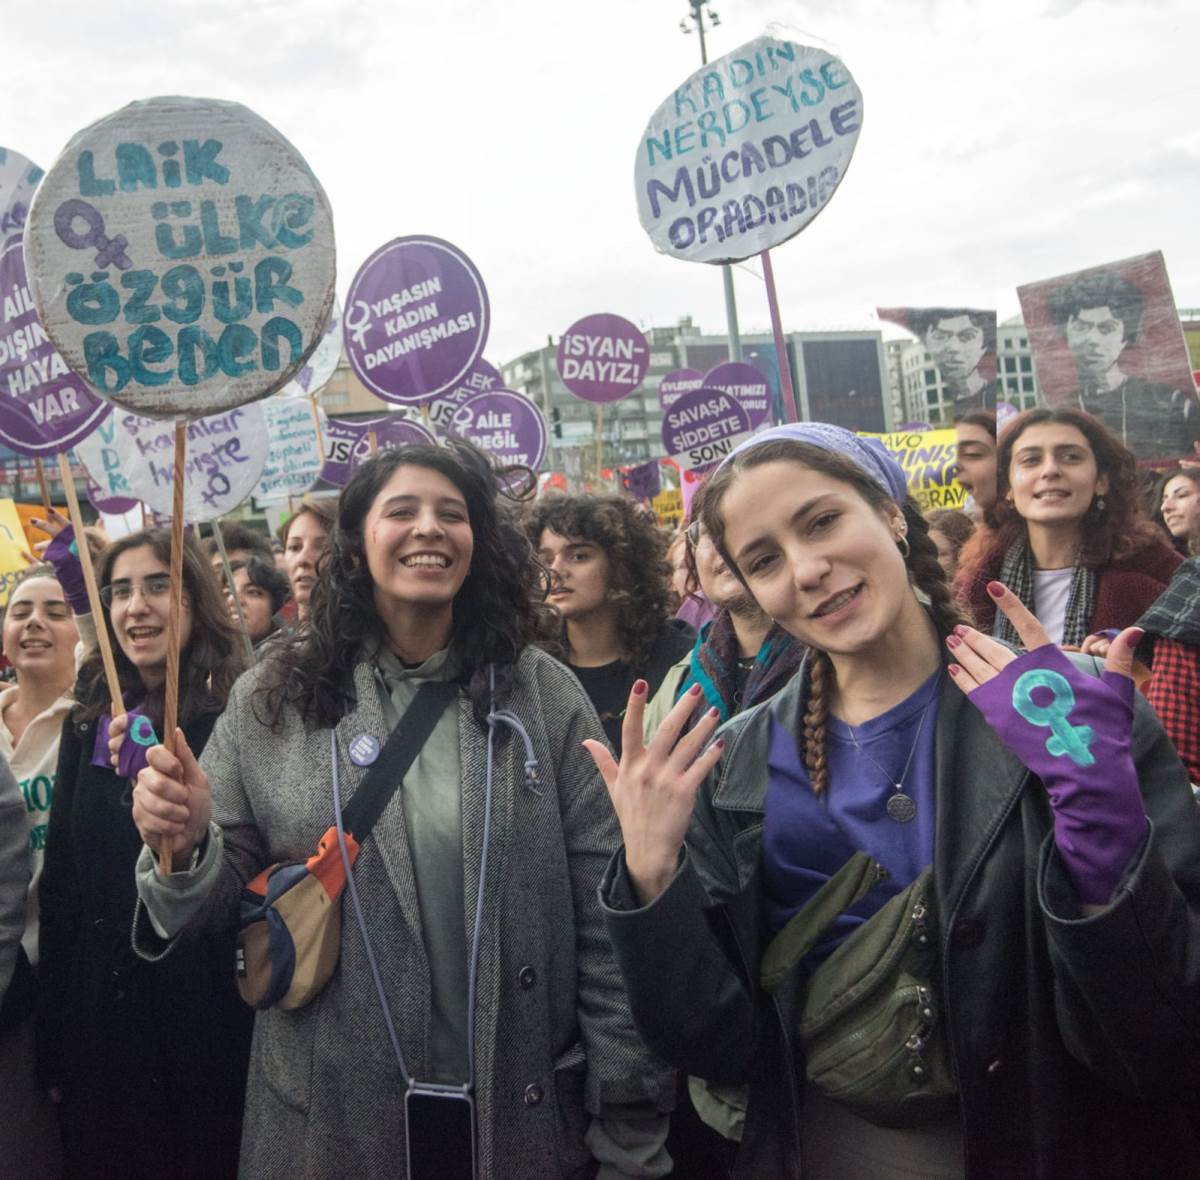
139,737
63,554
1074,731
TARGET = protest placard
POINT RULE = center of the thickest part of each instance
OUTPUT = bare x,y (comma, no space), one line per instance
703,426
746,152
929,459
13,547
181,257
747,385
18,179
1108,340
132,456
668,507
962,342
675,384
348,442
322,362
294,454
416,319
602,358
509,427
480,379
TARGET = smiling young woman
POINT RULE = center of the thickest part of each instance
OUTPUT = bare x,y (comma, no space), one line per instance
989,910
1067,533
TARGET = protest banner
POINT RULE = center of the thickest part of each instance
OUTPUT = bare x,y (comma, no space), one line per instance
13,548
962,342
746,385
19,178
744,155
348,442
294,452
675,384
668,508
702,427
416,319
1108,340
509,427
929,459
602,358
644,481
480,379
181,257
109,505
132,456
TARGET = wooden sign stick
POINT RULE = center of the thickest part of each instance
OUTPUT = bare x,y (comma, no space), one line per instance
790,406
174,607
117,703
316,417
373,443
599,441
45,489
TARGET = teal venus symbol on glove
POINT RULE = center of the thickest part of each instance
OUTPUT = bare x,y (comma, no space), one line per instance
1073,741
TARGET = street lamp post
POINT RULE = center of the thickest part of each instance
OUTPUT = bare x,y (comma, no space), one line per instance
699,10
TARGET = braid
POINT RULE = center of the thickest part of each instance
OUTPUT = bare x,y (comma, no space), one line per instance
928,575
816,714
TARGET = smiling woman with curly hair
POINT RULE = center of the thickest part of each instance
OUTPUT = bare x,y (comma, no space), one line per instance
609,575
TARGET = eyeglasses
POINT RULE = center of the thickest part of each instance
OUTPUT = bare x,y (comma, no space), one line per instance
692,534
155,586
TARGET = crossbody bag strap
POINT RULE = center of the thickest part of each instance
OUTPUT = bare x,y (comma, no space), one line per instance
399,752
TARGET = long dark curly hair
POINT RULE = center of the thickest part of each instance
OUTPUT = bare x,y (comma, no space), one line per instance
926,571
639,574
1116,531
495,611
210,661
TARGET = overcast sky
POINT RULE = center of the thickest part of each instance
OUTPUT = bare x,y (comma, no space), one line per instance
1001,142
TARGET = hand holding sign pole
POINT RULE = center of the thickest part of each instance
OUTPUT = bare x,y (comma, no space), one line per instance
182,261
744,155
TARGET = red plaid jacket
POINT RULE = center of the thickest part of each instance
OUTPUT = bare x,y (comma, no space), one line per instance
1174,691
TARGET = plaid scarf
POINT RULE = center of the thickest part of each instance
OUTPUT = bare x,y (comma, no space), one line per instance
714,666
1016,573
1176,612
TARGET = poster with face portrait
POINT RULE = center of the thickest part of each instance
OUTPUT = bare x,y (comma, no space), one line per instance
962,342
1108,340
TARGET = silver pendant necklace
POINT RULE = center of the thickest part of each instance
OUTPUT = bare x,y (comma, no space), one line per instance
901,808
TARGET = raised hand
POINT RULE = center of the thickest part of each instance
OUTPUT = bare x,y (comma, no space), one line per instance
172,800
653,788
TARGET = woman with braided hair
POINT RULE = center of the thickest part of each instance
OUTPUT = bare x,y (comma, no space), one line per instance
911,903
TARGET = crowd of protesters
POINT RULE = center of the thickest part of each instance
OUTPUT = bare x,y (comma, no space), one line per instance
669,792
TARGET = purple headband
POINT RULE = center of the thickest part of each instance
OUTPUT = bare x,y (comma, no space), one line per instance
869,454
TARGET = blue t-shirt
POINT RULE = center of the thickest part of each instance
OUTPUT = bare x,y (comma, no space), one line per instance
807,838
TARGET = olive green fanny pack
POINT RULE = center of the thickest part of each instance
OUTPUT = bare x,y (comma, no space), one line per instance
869,1021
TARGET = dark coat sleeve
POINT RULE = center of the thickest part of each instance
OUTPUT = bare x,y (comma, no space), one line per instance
1127,979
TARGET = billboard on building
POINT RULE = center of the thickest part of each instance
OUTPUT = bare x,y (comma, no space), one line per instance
1108,340
844,383
962,342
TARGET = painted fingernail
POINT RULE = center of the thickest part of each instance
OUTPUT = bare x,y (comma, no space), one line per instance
954,669
996,589
694,690
719,743
639,688
953,641
960,631
1139,634
714,712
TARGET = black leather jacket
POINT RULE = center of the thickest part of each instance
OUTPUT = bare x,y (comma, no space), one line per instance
1076,1040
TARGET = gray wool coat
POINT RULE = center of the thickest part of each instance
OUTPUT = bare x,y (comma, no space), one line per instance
554,1035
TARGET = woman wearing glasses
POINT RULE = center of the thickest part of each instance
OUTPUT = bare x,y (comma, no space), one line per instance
128,1048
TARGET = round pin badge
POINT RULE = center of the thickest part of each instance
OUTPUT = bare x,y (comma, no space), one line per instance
364,749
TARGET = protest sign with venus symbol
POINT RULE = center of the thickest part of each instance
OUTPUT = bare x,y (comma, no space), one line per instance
602,358
134,456
747,151
703,426
676,383
745,383
416,319
45,409
509,427
181,257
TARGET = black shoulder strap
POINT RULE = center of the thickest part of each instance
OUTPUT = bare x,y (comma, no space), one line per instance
404,743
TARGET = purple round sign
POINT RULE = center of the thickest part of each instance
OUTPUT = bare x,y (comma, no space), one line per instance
676,383
348,443
416,319
505,424
602,358
113,505
480,379
703,426
745,383
44,407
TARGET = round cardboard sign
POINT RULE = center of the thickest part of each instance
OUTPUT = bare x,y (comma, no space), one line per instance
675,384
702,427
416,319
323,360
131,456
506,425
602,358
18,179
747,151
294,457
181,257
745,383
45,409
